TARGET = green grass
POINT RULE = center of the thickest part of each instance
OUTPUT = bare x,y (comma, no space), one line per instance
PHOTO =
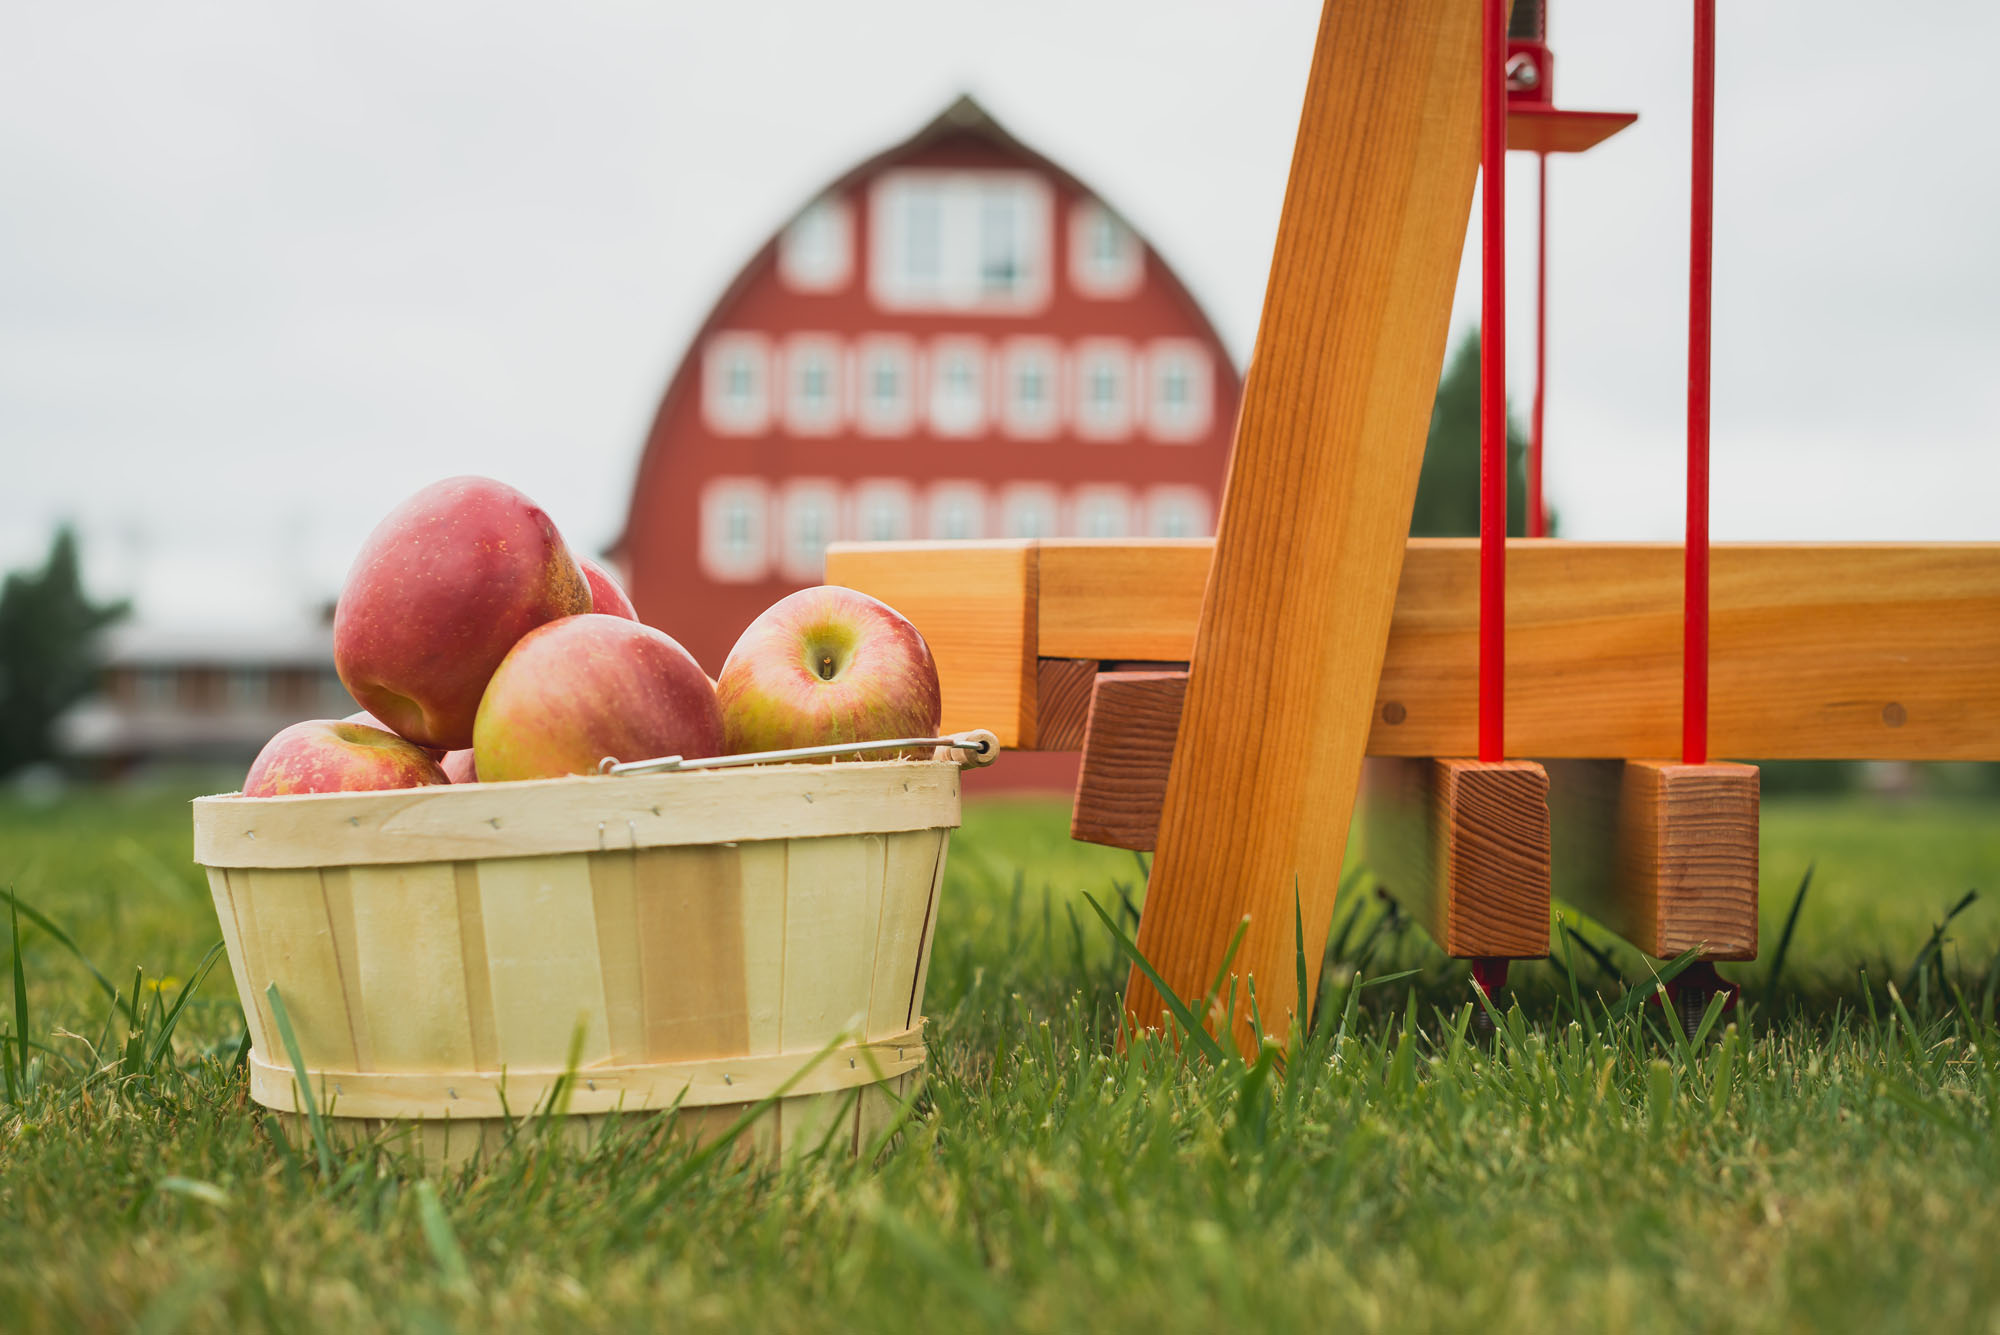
1830,1161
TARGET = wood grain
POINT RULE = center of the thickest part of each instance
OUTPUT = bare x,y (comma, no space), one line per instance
1317,505
1127,597
975,604
1663,854
1464,848
1062,702
1128,746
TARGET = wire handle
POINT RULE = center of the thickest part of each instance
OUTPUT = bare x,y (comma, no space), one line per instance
975,749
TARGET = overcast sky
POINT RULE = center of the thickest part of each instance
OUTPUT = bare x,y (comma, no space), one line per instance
264,270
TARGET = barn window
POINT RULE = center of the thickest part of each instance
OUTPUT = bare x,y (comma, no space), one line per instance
734,401
956,407
958,511
1177,512
816,253
1178,407
1103,512
882,511
1029,367
1105,259
886,404
959,240
1028,511
732,530
811,520
1104,407
813,362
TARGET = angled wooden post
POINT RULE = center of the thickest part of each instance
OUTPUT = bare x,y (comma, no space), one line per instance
1309,548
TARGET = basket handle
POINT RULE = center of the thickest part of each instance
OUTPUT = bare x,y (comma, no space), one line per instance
970,749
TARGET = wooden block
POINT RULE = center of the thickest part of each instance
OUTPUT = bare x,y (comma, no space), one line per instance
1464,848
975,604
1128,747
1316,510
1663,854
1127,599
1062,702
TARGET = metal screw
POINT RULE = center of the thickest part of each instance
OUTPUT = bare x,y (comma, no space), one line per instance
1522,72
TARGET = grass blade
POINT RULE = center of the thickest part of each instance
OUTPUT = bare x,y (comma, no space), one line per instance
42,921
20,1001
1785,937
291,1041
440,1238
173,1015
1302,1014
1196,1033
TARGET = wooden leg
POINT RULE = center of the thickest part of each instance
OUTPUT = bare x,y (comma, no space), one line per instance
1464,847
1663,854
1316,510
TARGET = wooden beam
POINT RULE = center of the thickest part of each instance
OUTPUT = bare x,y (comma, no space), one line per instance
1128,746
1869,651
1663,854
1317,504
1062,702
1464,848
975,604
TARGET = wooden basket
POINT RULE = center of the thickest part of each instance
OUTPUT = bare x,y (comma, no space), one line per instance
710,935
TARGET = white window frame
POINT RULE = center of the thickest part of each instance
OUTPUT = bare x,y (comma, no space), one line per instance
723,415
1164,501
1016,356
1103,277
721,561
872,415
802,418
955,497
961,202
1019,498
821,495
1111,501
1113,421
876,497
946,415
816,249
1197,412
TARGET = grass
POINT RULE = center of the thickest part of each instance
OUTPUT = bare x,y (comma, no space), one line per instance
1828,1159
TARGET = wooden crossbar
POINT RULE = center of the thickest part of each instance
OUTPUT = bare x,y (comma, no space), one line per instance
1837,651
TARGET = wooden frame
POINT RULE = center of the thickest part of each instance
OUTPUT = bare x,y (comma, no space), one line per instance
1819,651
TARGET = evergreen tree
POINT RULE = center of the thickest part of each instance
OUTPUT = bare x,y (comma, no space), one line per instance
1448,488
48,631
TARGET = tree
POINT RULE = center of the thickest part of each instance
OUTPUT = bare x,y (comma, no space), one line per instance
48,633
1448,488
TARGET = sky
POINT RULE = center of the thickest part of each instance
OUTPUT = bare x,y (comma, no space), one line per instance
265,270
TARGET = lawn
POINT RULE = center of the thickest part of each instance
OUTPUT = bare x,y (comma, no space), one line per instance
1829,1160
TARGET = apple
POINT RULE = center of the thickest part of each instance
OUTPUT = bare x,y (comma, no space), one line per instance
441,590
577,690
368,720
458,766
827,665
326,755
605,595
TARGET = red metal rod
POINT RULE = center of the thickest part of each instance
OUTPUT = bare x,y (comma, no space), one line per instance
1493,388
1694,660
1538,513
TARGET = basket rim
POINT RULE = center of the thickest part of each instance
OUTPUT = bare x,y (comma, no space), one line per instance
576,814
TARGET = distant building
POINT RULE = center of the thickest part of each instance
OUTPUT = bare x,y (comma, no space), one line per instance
956,339
181,697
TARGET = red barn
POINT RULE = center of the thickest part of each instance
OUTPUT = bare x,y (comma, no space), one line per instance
956,339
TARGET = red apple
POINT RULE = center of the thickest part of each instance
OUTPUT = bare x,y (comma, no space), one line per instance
605,595
326,755
827,665
587,687
458,766
368,720
442,589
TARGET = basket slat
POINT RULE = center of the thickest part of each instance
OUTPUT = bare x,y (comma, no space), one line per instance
763,872
415,1014
541,957
615,906
909,870
239,968
295,948
833,895
691,939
